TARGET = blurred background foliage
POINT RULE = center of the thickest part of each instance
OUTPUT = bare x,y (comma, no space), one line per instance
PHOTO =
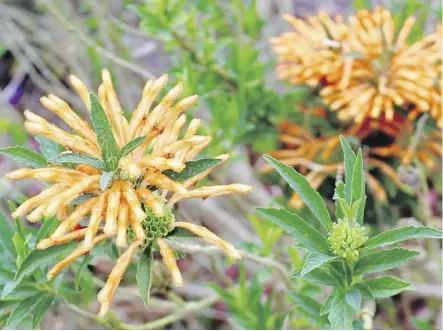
221,51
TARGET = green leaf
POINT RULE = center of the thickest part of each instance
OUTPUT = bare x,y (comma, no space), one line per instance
81,270
144,274
303,232
6,235
313,261
50,149
353,298
193,168
6,275
308,304
49,224
319,276
106,179
386,286
130,146
25,155
383,260
41,308
340,314
349,157
79,158
38,258
364,290
358,179
23,310
299,184
400,234
339,193
105,138
329,302
361,211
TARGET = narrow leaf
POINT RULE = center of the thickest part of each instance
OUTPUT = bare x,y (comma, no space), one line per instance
38,258
400,234
313,261
6,235
383,260
300,184
364,290
303,232
386,286
23,310
130,146
25,155
79,158
81,270
50,149
358,179
106,179
308,304
41,308
105,137
193,168
349,157
144,274
329,302
353,298
48,226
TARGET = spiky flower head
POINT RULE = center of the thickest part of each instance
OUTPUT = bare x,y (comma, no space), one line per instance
311,54
131,173
346,238
386,72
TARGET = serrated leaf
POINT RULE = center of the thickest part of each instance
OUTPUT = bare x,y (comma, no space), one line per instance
6,235
23,310
358,179
130,146
193,168
25,156
41,308
329,302
353,298
400,234
106,179
303,232
105,137
144,274
308,304
300,184
313,261
364,290
81,270
50,149
349,157
383,260
340,315
38,258
79,158
49,224
386,286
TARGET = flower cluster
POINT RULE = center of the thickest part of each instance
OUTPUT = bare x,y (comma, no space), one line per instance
346,238
123,169
365,68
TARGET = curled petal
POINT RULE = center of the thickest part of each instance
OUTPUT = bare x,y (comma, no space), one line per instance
211,191
210,237
169,259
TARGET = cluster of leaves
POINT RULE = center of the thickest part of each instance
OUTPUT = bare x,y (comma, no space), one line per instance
322,267
26,294
219,59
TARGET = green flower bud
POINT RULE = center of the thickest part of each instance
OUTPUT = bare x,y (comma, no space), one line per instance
346,238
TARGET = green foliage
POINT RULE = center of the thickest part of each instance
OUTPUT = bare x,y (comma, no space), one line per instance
347,255
193,168
215,53
78,158
130,146
248,306
24,155
144,274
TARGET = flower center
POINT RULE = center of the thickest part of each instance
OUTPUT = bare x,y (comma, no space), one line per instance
345,239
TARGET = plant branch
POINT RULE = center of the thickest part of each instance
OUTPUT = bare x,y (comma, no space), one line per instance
278,267
91,43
